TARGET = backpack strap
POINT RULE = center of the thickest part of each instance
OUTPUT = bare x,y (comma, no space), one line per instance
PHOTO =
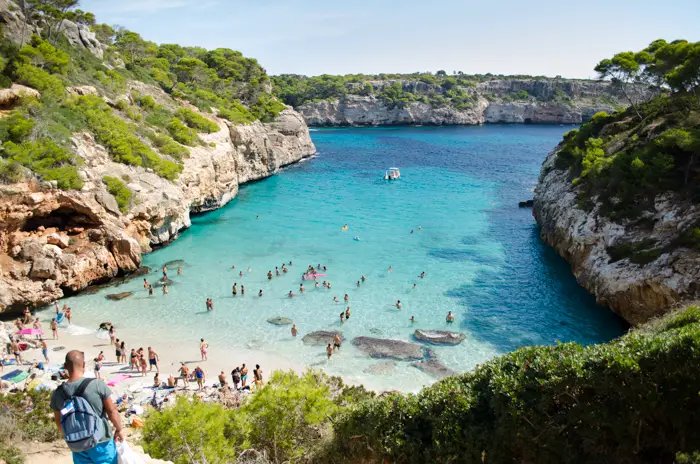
83,386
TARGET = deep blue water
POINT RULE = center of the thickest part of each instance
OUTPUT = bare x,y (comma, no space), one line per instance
482,254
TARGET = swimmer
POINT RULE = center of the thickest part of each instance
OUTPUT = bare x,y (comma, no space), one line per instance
145,286
329,351
422,274
294,330
277,271
324,269
284,269
329,285
450,317
301,288
250,269
179,271
346,298
260,293
233,267
413,320
336,342
257,217
342,317
303,277
420,228
165,289
398,304
411,230
150,290
363,278
234,289
290,294
240,274
347,313
316,284
414,285
290,263
269,275
336,300
203,346
358,284
391,268
242,289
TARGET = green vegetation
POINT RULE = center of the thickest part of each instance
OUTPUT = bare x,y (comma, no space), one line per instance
196,121
286,419
120,191
628,158
181,133
17,425
630,400
641,253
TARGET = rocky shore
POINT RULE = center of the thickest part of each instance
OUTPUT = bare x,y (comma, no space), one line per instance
55,242
548,101
635,291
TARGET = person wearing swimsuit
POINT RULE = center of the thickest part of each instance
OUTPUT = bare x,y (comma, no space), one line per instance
203,349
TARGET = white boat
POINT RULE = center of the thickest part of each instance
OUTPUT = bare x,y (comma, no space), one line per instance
392,174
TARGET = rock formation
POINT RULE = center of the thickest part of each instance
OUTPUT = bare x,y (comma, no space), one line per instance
433,367
321,337
439,337
55,242
279,320
391,349
637,292
550,101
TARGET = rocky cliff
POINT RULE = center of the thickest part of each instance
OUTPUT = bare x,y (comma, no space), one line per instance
536,101
55,242
637,291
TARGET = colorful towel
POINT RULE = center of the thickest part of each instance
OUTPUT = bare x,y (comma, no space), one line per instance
11,374
118,379
9,362
19,377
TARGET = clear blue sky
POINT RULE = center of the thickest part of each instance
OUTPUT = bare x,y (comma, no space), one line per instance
314,37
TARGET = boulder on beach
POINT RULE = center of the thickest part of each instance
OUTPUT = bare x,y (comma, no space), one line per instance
392,349
175,264
321,337
279,320
118,296
382,367
439,337
433,367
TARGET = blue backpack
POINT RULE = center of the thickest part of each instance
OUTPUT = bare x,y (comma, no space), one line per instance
83,428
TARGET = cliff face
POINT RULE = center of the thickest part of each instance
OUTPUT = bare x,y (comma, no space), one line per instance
54,242
637,292
547,102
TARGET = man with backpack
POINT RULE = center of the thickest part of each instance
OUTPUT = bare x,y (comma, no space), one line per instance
81,409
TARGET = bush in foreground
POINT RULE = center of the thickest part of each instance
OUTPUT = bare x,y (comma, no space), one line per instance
632,400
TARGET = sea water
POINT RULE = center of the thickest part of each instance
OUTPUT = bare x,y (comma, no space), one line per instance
458,193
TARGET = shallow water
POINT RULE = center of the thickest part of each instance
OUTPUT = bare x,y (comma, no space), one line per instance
482,255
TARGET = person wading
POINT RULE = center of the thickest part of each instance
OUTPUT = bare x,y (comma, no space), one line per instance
81,409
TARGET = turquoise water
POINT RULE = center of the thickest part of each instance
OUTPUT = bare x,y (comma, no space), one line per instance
482,255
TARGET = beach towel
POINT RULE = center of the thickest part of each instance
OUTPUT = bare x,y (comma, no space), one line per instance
19,377
11,374
8,362
116,380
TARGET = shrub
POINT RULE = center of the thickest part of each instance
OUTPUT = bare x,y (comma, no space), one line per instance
631,400
49,160
15,127
41,80
119,139
196,121
159,116
181,133
237,114
146,102
168,146
120,191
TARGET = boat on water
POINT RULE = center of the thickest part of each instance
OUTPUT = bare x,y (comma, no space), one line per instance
392,174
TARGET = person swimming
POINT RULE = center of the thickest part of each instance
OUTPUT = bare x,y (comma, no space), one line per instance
391,268
358,284
269,275
301,288
356,238
450,317
346,298
398,304
347,313
277,271
422,274
336,300
291,294
363,278
413,319
345,227
342,317
260,293
234,290
242,289
316,284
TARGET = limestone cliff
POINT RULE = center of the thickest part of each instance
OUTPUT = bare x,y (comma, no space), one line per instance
637,292
54,242
548,101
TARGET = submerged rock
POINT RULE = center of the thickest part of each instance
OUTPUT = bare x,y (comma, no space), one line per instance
321,337
175,263
279,320
433,367
164,281
383,367
439,337
387,348
118,296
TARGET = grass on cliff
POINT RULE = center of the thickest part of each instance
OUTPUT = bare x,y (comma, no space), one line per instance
634,399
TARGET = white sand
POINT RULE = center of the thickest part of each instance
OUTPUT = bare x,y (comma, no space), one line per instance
171,354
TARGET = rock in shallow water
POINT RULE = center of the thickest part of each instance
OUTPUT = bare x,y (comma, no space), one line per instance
175,263
439,337
433,367
321,337
118,296
392,349
279,320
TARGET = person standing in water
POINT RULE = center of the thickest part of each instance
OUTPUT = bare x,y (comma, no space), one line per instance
269,275
329,351
342,316
242,289
301,288
398,304
336,342
203,346
165,289
346,298
179,271
234,289
294,330
347,313
391,268
450,317
260,293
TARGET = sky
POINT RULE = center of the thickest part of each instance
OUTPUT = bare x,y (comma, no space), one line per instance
315,37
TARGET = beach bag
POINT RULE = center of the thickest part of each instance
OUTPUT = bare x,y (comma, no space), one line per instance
126,455
82,428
